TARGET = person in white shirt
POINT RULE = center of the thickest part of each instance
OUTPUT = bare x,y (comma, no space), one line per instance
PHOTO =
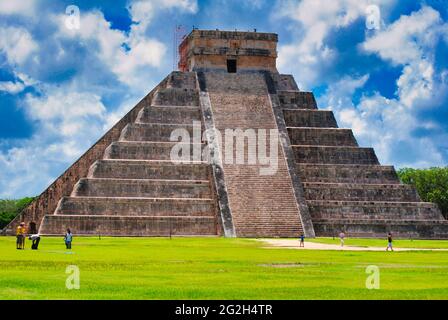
342,237
35,238
68,239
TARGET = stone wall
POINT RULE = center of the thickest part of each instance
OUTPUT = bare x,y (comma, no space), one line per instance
210,49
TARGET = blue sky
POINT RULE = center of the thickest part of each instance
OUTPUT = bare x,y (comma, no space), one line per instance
62,88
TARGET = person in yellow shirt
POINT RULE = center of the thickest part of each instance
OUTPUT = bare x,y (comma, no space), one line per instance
21,231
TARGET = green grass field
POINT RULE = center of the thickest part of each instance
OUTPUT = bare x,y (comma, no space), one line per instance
399,243
216,268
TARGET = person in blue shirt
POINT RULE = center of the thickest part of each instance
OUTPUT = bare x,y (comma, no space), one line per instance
302,240
389,242
68,239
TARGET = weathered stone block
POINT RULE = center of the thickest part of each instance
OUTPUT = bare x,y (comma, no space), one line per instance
347,173
158,132
134,169
130,225
373,210
360,192
297,100
322,137
176,97
309,118
169,114
119,206
142,188
335,155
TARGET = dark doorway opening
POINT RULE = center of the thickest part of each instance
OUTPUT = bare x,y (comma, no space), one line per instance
32,228
231,66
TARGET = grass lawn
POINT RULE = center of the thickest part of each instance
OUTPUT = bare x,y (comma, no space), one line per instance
215,268
398,243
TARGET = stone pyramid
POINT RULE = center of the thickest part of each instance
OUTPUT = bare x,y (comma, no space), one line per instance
128,184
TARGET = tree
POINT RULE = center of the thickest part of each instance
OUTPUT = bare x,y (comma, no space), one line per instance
9,209
431,184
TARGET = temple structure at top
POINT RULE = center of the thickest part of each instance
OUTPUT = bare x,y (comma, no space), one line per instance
232,51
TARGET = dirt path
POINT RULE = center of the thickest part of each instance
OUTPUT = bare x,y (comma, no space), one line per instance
294,244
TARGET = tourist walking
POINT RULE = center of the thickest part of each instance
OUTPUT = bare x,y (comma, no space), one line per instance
20,233
389,242
342,237
68,239
302,240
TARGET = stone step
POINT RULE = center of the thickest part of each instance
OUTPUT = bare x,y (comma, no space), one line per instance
115,206
360,192
292,99
149,150
136,169
176,97
129,226
347,173
169,114
374,210
321,136
181,80
91,187
160,132
334,155
309,118
421,229
284,82
266,230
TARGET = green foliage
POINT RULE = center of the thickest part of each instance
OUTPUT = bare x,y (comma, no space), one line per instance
431,184
9,209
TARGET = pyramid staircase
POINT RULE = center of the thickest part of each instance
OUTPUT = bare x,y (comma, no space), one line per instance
135,189
262,205
344,185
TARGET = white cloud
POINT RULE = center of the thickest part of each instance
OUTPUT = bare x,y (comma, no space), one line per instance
132,55
338,97
314,20
409,38
25,79
339,93
11,87
142,11
17,7
67,119
416,83
66,124
24,163
130,66
65,105
389,124
18,45
410,41
385,124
